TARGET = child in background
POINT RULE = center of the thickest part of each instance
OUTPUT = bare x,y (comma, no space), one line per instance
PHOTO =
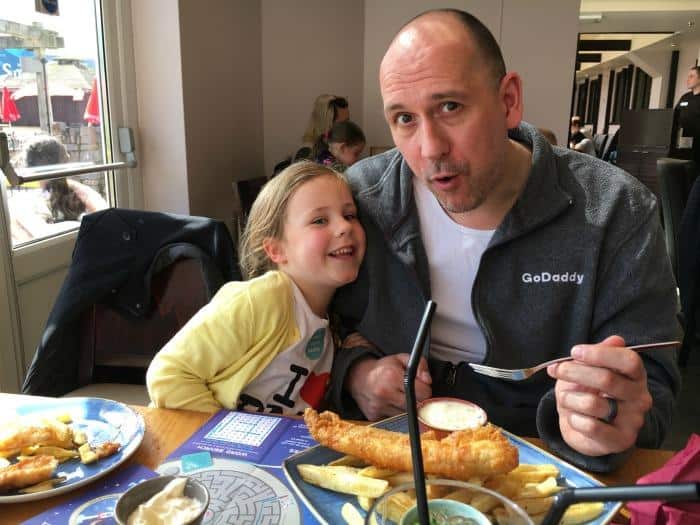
345,142
265,344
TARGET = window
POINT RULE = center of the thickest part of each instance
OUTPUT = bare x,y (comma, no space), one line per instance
642,89
51,77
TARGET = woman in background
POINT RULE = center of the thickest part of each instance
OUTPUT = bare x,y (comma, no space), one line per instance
328,109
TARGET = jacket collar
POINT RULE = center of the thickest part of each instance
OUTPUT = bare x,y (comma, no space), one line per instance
391,205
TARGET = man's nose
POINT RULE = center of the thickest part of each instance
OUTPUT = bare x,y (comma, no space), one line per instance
434,143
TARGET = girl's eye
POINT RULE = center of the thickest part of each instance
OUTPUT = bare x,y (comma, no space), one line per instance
319,220
403,119
351,216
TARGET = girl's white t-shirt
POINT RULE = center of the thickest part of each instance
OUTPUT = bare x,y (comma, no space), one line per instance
454,253
297,377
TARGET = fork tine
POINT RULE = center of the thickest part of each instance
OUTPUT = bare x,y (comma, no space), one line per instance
491,372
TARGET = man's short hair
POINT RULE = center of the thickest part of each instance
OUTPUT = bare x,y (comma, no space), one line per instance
576,121
486,43
696,69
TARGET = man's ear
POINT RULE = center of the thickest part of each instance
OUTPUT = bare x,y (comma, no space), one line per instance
274,249
511,94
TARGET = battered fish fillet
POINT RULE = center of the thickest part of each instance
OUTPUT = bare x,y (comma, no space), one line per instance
462,455
27,471
46,433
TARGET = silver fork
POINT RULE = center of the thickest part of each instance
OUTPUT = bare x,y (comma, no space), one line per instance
519,374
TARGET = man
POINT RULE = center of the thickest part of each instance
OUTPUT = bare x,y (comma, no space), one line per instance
579,141
687,116
527,251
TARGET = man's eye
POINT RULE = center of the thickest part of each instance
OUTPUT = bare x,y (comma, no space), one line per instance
448,107
404,118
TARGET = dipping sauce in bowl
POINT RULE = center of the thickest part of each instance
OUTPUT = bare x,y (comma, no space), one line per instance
166,500
446,414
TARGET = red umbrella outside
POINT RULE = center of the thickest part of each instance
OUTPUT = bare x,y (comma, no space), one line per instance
92,110
9,108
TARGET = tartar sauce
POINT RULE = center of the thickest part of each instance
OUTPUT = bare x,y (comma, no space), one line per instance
170,506
452,415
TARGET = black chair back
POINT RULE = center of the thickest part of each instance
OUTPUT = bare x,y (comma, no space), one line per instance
675,177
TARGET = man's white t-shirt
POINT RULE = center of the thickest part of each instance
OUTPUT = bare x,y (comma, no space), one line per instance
454,253
297,377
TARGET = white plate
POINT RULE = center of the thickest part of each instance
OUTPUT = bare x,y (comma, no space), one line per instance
102,420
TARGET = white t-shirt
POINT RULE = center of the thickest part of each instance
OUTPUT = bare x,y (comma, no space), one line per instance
297,377
454,253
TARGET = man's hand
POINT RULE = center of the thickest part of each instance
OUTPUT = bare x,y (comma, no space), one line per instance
601,371
377,385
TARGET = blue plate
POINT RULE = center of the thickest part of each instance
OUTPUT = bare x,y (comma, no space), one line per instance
326,505
101,420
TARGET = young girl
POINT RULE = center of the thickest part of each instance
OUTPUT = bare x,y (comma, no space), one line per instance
265,344
342,147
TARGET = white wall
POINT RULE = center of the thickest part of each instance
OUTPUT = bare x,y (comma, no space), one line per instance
309,47
538,39
383,19
222,85
161,128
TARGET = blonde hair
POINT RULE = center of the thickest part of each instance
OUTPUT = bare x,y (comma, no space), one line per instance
269,211
322,116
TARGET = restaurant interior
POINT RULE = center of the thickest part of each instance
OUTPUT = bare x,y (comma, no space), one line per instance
189,108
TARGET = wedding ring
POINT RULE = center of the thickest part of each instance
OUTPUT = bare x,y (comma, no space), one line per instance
612,410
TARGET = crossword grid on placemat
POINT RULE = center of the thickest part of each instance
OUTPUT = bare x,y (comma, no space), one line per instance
246,429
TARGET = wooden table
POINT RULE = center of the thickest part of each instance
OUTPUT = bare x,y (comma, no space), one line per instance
167,429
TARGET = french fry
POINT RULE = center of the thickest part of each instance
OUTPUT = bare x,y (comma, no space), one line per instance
525,473
400,478
44,485
364,502
484,502
463,495
347,461
64,418
351,515
79,437
59,453
376,472
535,505
396,506
547,487
87,455
582,513
503,517
340,479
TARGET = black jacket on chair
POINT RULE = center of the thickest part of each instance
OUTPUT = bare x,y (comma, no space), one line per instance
113,263
689,267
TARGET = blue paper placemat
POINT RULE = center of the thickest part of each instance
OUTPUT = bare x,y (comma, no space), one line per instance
97,504
238,456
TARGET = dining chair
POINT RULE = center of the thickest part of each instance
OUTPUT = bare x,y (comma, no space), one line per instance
135,278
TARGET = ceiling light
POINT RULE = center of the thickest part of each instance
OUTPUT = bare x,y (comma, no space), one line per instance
590,17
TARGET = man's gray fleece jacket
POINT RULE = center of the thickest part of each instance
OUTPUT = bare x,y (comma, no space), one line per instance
580,257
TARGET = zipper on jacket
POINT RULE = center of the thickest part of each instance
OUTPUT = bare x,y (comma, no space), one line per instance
451,374
477,314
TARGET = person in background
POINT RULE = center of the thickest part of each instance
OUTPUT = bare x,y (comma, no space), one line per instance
531,253
579,141
343,146
265,344
67,199
687,116
327,110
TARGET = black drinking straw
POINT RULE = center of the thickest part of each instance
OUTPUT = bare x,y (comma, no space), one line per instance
662,492
413,433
